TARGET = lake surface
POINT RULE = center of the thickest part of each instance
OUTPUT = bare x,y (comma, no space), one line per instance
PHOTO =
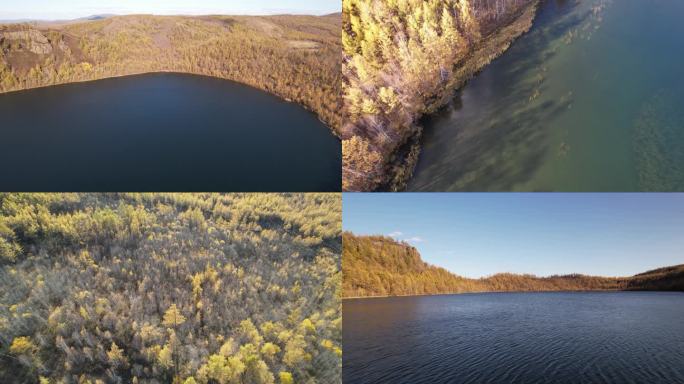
611,337
589,100
163,132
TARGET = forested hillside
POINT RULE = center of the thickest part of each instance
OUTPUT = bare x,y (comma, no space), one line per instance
170,288
381,266
404,58
295,57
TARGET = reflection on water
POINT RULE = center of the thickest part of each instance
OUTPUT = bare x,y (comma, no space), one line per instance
611,337
562,110
163,132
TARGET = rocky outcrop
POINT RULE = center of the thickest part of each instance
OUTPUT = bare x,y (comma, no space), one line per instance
31,40
62,45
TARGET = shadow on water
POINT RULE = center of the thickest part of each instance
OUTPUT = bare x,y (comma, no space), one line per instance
488,158
465,149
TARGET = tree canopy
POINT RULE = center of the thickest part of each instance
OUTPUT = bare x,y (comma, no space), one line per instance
161,288
402,59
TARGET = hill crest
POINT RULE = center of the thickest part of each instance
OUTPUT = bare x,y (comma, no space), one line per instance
382,266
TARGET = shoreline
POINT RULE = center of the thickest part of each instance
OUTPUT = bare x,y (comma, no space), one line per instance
282,98
381,267
403,160
88,81
499,292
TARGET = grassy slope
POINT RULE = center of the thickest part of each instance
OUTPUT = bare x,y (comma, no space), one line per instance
380,266
294,57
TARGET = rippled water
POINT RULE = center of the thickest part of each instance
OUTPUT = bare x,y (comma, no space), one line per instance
613,337
163,132
589,100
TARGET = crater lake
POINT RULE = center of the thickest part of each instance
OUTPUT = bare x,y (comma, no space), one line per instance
163,132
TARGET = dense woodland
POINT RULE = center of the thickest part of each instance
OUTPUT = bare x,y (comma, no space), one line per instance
170,288
381,266
295,57
404,58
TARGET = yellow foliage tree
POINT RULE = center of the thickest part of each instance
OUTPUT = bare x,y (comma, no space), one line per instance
165,357
308,326
116,356
270,350
22,345
221,369
294,351
286,378
173,317
250,332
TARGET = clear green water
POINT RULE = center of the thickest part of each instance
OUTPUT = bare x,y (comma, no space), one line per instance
591,99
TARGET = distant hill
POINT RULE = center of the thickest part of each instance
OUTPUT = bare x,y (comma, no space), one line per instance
382,266
86,18
668,278
293,56
97,17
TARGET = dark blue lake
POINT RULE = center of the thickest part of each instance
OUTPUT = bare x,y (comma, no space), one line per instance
163,132
603,337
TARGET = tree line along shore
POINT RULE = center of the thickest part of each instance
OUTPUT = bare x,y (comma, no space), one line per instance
404,59
294,57
376,266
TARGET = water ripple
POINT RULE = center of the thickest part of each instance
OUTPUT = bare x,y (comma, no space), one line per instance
618,337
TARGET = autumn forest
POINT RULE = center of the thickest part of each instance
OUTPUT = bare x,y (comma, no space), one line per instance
381,266
201,192
162,288
294,57
403,59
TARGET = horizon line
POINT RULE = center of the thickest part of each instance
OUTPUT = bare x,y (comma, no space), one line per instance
283,12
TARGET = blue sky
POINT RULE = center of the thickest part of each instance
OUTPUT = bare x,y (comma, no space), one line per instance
71,9
477,235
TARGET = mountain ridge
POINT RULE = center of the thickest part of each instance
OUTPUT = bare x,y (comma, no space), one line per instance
295,57
376,266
